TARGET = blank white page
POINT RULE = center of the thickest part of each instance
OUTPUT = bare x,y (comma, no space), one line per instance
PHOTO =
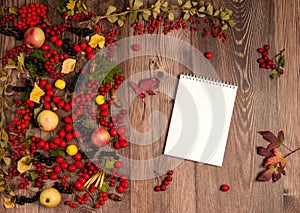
200,120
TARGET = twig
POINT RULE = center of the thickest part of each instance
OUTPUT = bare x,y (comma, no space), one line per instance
292,152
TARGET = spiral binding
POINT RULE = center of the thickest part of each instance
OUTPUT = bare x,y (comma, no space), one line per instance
207,80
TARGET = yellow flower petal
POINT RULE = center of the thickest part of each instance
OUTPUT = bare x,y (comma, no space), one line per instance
97,40
36,94
68,66
23,165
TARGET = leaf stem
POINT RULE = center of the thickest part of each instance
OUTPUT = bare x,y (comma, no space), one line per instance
286,147
292,152
278,54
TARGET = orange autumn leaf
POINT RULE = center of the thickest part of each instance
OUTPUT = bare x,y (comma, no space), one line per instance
275,160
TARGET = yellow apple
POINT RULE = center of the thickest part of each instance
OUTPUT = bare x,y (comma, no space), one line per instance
47,120
50,197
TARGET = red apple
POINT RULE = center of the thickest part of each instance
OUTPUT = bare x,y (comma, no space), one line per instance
34,37
100,137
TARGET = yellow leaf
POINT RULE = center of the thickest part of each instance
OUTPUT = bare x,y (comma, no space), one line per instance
97,40
71,4
36,94
68,66
8,203
23,165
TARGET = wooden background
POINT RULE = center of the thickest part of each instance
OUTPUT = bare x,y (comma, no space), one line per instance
261,104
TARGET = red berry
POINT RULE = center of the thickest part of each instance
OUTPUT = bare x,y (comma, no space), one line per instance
281,71
163,188
118,164
77,157
136,47
78,185
57,169
170,172
224,187
125,184
53,176
83,46
123,178
45,47
120,189
208,55
260,50
60,160
88,49
77,48
79,164
72,168
267,47
90,56
64,165
113,131
54,38
59,43
157,188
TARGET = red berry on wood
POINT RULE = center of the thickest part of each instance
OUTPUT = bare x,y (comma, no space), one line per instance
224,187
76,48
266,47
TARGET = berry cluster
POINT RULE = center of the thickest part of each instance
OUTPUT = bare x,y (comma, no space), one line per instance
78,16
7,18
11,54
165,182
267,63
22,200
32,15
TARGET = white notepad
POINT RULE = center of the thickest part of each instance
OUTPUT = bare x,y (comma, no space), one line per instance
200,120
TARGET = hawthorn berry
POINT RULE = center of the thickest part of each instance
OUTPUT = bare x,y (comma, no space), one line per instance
208,55
224,187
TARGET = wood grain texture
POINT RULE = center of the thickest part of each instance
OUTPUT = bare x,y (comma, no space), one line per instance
261,104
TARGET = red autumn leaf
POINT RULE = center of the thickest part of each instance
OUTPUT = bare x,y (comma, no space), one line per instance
269,136
275,160
275,141
276,176
264,152
265,175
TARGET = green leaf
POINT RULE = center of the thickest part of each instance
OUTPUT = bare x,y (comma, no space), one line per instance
1,90
109,164
217,13
225,18
231,23
4,136
209,9
224,27
13,10
112,19
194,3
137,4
201,9
147,12
37,110
111,9
274,74
58,152
281,62
2,189
3,73
3,78
171,16
145,17
120,22
36,53
187,5
186,16
7,161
